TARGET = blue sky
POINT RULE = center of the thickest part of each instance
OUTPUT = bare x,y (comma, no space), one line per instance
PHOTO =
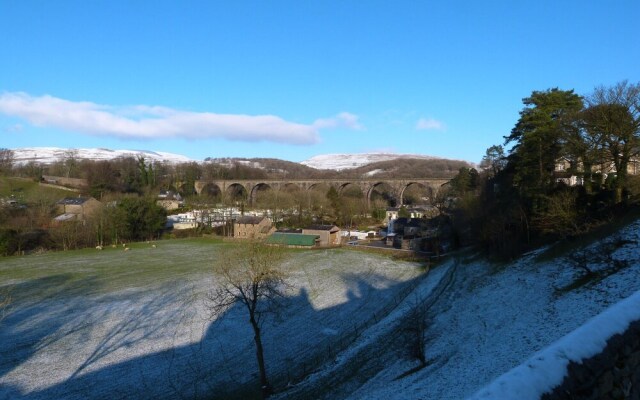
294,79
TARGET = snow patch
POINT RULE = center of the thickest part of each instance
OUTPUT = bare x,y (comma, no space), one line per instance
374,172
548,368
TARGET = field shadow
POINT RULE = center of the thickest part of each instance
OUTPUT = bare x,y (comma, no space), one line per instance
220,364
39,309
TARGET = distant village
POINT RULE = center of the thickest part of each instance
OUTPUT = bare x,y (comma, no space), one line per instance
409,228
412,228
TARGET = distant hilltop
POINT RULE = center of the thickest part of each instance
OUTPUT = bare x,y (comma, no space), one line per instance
49,155
327,162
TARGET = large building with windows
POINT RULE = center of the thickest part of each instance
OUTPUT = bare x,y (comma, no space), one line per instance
567,170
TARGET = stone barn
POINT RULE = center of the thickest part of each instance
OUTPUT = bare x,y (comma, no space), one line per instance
248,227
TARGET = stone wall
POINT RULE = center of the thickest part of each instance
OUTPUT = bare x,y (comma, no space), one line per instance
612,374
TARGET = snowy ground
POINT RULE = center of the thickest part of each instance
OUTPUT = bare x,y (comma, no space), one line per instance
115,324
546,370
489,320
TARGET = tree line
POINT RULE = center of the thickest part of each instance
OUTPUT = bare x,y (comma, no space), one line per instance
128,189
568,165
33,227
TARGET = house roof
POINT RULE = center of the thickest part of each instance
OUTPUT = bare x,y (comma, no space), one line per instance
289,230
71,201
249,220
292,239
169,195
330,228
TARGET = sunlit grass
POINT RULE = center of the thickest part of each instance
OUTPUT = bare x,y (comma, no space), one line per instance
27,190
114,268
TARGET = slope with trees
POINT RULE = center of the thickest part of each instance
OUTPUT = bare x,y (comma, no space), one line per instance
521,200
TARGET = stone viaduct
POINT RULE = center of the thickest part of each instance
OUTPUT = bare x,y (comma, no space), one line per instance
251,187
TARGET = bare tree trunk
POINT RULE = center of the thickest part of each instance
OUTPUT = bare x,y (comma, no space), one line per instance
249,277
621,177
265,386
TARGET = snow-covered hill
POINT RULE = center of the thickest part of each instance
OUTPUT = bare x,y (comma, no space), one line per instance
348,161
48,155
487,320
337,162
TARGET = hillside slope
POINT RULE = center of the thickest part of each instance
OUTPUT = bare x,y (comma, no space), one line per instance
488,320
409,168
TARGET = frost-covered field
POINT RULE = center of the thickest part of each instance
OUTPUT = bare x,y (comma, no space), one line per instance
488,320
113,324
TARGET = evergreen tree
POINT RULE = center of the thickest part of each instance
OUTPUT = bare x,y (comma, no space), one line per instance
547,124
143,218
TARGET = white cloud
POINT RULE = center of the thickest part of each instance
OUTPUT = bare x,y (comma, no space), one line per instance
342,120
429,124
151,122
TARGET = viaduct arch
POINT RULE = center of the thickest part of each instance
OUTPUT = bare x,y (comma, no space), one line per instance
367,186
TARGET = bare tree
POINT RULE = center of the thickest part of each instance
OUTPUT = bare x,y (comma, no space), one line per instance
561,216
71,234
70,160
250,276
612,123
6,160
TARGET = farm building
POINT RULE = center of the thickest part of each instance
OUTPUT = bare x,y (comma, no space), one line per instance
169,200
77,208
252,227
329,234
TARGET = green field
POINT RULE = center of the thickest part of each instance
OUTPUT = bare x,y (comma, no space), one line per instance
113,269
26,190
